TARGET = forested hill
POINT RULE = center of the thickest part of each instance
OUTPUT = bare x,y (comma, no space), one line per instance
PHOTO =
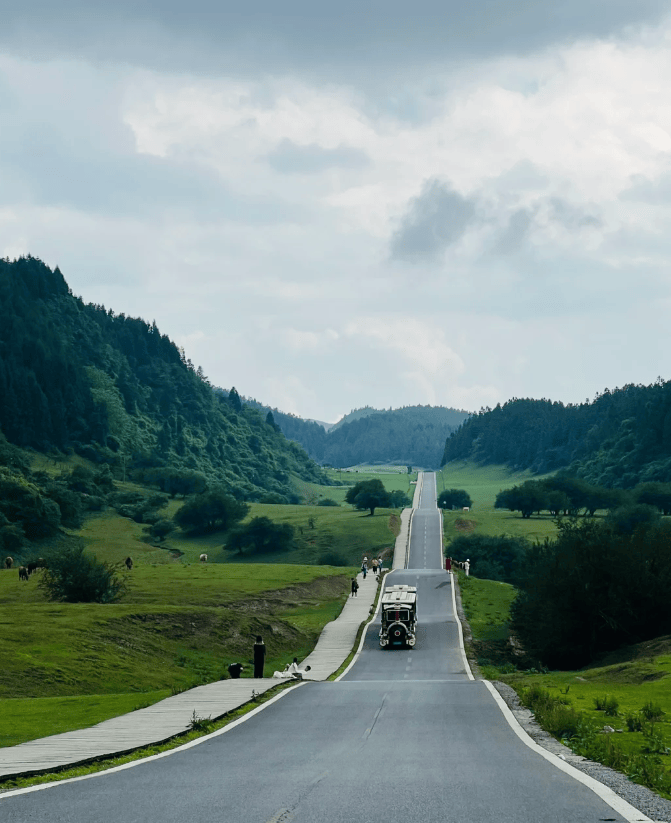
620,439
356,414
111,387
411,435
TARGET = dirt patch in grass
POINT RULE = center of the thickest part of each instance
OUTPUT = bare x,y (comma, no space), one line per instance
463,525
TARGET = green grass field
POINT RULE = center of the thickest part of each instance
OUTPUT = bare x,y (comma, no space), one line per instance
487,606
393,480
322,534
483,483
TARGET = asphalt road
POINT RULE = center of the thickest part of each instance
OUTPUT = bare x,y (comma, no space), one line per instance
405,737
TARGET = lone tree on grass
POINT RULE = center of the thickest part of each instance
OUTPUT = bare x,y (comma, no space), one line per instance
211,511
454,499
76,577
368,494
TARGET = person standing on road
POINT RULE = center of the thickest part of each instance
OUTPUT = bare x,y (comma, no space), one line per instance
259,656
355,587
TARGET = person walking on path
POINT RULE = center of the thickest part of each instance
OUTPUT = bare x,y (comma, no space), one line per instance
355,587
259,656
374,565
467,567
364,567
448,564
379,564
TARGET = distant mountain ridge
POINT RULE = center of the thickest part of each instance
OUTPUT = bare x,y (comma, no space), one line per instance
356,414
412,435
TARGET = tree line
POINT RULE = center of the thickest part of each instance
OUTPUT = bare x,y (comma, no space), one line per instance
566,495
620,439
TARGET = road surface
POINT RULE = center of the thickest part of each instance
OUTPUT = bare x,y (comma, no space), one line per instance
407,736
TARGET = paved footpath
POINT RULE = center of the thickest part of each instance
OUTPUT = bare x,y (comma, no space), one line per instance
173,715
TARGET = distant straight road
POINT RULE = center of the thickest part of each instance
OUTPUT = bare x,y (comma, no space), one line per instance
405,737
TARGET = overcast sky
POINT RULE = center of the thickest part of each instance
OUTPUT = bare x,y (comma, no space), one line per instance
377,203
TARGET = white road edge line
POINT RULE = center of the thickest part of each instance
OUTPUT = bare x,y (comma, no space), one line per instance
460,629
134,763
616,803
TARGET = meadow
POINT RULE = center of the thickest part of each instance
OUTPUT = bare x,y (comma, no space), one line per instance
483,483
180,622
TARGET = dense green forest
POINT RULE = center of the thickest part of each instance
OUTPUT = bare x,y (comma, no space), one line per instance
411,435
79,377
619,440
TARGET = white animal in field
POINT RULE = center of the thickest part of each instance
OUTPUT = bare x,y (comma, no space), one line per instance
203,558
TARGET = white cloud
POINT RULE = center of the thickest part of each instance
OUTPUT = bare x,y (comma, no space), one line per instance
254,215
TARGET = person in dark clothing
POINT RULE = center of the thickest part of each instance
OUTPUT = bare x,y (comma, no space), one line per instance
355,587
235,670
259,656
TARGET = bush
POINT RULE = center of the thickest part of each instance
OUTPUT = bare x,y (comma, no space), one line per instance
211,511
652,712
75,577
454,499
634,723
261,535
607,704
161,529
326,501
553,713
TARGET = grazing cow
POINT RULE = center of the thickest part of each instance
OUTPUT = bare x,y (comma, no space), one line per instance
23,573
203,558
129,563
9,562
34,565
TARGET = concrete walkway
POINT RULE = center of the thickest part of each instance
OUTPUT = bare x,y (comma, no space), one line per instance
172,716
